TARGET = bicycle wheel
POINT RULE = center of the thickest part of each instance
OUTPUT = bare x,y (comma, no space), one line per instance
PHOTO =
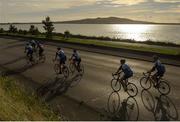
81,68
164,88
132,109
57,68
72,68
132,89
43,58
145,84
113,103
116,85
65,71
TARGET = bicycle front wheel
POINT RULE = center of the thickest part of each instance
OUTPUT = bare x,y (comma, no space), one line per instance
164,88
116,86
145,83
132,89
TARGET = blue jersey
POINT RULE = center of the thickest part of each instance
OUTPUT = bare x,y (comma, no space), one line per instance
61,54
159,66
126,69
76,56
29,48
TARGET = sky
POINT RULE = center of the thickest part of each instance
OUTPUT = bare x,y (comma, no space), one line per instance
165,11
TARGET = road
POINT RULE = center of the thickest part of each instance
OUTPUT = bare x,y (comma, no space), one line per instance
94,88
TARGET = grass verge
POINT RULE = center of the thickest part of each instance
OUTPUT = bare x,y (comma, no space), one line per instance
17,104
161,49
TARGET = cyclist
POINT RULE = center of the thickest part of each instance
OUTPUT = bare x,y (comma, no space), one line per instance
29,51
127,73
159,67
61,57
76,59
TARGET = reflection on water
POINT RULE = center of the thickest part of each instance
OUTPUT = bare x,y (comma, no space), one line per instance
136,32
139,32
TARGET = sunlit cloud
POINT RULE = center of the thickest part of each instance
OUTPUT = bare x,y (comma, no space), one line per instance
128,2
167,1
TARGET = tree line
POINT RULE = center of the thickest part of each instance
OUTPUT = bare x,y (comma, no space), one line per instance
33,30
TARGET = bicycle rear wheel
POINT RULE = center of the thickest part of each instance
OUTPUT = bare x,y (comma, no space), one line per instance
145,84
164,88
57,68
81,68
72,68
132,90
116,85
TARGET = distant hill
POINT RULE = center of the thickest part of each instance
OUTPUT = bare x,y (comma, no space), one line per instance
99,20
109,20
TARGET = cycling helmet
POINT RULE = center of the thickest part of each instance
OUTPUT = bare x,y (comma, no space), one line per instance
58,48
155,57
123,61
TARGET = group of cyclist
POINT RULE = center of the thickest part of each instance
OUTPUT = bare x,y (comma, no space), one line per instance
158,67
33,46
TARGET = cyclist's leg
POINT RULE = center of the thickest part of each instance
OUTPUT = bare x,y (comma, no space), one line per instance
60,66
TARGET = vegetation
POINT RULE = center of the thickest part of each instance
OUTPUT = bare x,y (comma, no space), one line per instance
33,30
12,29
147,46
48,26
1,30
17,104
67,34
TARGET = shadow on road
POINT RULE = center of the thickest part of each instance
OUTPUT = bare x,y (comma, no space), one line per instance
13,61
57,86
160,106
127,109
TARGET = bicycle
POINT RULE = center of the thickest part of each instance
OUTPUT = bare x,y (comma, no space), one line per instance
31,60
146,82
131,88
42,58
64,69
73,66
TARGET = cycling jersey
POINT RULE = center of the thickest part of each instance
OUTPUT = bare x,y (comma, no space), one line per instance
159,67
76,56
29,49
127,70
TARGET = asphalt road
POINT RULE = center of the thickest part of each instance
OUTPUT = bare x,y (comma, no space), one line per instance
94,88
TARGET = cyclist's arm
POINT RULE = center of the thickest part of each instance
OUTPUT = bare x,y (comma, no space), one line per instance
153,69
118,71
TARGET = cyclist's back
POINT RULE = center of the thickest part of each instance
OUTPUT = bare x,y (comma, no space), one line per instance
159,67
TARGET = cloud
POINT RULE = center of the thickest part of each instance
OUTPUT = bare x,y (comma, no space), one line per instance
167,1
127,2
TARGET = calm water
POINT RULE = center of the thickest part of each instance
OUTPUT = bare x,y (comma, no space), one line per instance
139,32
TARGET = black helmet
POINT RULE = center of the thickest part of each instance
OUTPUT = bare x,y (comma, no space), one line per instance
58,48
122,61
155,57
74,50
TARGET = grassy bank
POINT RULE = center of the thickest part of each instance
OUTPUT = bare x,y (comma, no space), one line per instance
17,104
160,47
